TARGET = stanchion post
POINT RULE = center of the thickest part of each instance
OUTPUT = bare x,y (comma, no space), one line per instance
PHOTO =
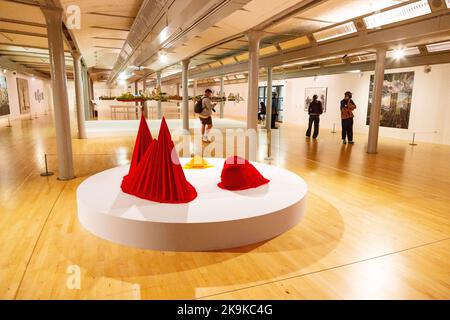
46,173
269,145
413,142
35,115
9,123
334,128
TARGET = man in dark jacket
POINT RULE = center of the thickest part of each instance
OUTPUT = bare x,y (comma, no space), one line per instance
315,110
274,110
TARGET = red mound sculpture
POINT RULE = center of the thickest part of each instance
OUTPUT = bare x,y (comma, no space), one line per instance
159,176
143,141
239,174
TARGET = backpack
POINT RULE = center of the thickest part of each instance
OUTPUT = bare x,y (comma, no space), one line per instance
198,108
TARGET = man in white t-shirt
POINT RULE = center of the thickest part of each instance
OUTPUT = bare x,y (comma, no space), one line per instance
205,115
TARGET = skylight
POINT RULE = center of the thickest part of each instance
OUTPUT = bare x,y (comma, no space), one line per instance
335,32
441,46
406,12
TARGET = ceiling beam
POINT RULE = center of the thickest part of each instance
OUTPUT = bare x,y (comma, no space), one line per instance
11,65
419,30
25,46
25,23
406,62
24,33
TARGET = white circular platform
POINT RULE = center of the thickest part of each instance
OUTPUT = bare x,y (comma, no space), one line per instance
216,219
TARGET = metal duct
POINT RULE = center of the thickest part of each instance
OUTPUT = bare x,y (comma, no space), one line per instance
184,17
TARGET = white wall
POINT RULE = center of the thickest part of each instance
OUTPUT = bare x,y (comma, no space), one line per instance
430,110
33,86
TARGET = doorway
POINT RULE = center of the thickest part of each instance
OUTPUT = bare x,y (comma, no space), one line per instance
263,95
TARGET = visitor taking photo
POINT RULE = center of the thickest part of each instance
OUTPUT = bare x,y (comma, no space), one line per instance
347,107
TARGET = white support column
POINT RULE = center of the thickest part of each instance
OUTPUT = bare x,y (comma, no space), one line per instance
375,112
222,92
195,88
144,104
79,95
184,80
158,85
254,38
53,17
144,85
269,99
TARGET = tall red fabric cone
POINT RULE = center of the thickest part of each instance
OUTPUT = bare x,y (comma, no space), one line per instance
159,177
143,140
239,174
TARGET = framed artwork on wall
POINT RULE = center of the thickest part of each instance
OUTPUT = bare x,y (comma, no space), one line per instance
396,100
38,96
4,100
321,93
24,95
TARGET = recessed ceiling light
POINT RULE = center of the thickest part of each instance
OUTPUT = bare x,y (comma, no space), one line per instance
409,11
4,70
398,53
402,52
163,35
163,57
122,75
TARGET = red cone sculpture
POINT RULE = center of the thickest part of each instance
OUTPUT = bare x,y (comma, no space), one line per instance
239,174
143,140
159,177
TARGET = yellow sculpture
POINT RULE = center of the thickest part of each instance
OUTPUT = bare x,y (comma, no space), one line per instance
198,162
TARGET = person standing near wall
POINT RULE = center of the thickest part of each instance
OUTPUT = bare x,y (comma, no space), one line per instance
315,109
274,110
347,107
262,110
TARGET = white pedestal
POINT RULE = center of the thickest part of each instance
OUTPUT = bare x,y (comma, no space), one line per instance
216,219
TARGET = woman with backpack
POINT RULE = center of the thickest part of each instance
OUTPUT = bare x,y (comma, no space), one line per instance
204,109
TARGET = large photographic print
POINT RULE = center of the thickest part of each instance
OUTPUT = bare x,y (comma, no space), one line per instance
321,93
396,100
4,101
24,95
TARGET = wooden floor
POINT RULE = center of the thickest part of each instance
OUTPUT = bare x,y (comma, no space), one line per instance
376,227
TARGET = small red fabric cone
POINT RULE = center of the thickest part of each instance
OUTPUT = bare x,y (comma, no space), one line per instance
129,180
159,176
239,174
143,140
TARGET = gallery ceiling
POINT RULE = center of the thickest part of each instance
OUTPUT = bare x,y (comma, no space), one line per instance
118,37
